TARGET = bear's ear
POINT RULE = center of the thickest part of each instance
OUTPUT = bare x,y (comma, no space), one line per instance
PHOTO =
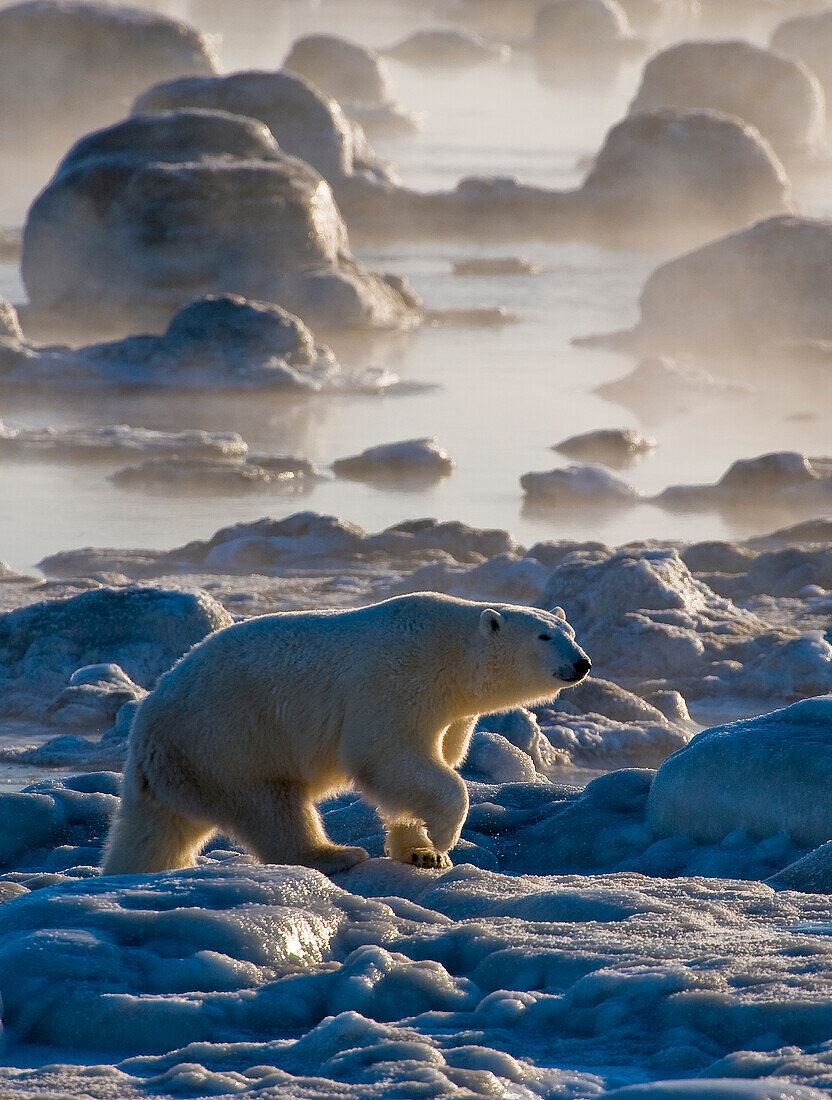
490,621
559,613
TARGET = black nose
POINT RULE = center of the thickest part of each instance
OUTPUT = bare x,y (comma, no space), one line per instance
582,666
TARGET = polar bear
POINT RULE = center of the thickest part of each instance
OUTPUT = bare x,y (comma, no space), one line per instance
264,718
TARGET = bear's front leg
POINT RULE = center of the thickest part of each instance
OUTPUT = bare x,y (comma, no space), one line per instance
408,842
414,787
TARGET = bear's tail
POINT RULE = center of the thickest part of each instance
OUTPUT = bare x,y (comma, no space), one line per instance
145,835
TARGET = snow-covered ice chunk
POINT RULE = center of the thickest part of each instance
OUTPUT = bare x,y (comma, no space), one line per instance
86,60
760,776
778,95
610,446
186,474
141,629
409,459
659,386
808,37
347,71
712,171
230,191
115,438
690,304
445,48
581,483
220,341
648,622
783,479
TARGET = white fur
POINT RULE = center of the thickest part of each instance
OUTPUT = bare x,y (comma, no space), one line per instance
264,718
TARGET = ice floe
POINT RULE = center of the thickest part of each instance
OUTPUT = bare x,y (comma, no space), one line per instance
575,485
409,460
778,95
808,37
610,446
445,48
229,191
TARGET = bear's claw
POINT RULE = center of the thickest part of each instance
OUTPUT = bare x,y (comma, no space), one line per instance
429,857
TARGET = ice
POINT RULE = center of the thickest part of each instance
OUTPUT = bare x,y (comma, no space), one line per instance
690,304
357,77
582,39
610,446
422,460
220,341
808,37
307,124
143,630
658,387
186,474
648,621
442,48
737,78
576,485
762,776
229,187
661,166
116,438
783,480
87,60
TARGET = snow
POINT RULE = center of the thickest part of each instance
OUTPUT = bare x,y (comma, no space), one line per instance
737,77
141,629
408,458
220,341
762,776
577,484
610,446
121,437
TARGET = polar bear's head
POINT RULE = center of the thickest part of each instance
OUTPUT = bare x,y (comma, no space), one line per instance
529,654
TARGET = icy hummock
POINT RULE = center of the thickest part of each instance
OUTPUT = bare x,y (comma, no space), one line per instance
220,341
610,446
576,485
141,629
421,460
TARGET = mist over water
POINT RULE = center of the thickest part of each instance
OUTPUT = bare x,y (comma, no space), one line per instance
496,398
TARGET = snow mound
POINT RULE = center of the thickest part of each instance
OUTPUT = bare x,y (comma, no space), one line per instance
115,438
809,39
445,48
784,479
649,623
409,459
610,446
658,386
761,776
229,191
345,70
711,169
779,96
306,123
215,342
86,60
141,629
577,485
782,265
186,474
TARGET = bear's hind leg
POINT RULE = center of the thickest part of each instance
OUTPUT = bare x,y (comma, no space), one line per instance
408,842
279,824
146,836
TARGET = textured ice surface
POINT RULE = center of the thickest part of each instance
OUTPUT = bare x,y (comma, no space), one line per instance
220,341
141,629
116,438
577,485
406,459
231,192
762,776
775,93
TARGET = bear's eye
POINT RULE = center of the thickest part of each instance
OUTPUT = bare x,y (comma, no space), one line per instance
545,637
